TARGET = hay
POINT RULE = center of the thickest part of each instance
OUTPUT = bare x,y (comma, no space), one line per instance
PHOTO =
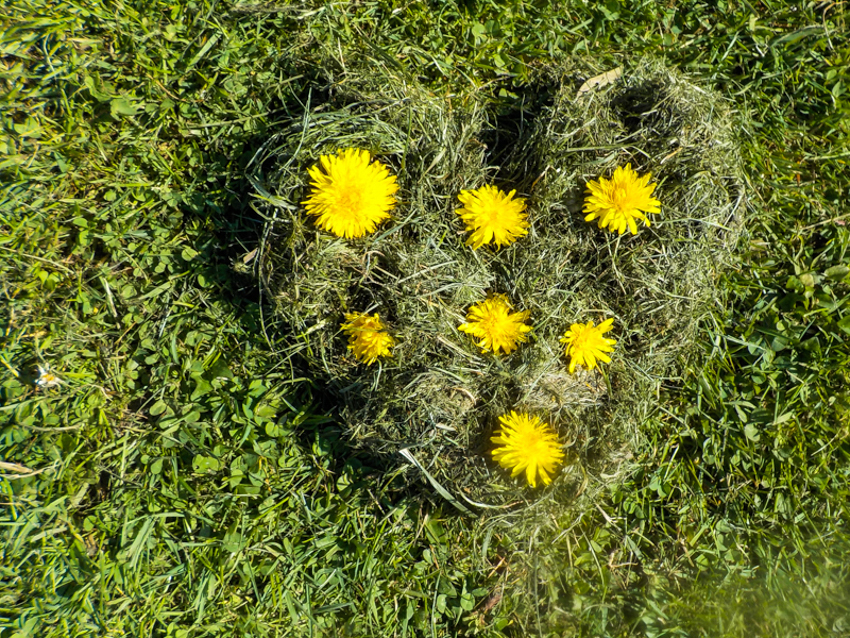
438,395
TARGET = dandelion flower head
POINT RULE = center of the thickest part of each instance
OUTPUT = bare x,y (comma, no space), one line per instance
585,344
366,337
492,216
618,202
495,325
350,196
527,444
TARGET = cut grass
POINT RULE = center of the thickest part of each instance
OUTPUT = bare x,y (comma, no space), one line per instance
126,136
439,397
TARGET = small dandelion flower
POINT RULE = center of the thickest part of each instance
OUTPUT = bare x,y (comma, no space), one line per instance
351,196
585,344
498,328
527,444
46,379
366,337
619,201
492,216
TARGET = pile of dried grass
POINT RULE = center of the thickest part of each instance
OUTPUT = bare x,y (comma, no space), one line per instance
438,395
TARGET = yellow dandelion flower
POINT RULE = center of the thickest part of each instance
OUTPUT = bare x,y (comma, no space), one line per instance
498,328
619,201
585,344
526,443
351,196
366,337
492,216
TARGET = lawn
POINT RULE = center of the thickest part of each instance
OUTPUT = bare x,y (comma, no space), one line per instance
181,454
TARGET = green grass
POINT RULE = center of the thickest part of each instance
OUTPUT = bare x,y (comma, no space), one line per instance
185,479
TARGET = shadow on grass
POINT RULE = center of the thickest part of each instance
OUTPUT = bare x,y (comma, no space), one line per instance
230,265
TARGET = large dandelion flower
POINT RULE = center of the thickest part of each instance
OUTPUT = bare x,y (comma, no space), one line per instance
585,344
498,328
492,216
526,443
619,201
351,196
366,337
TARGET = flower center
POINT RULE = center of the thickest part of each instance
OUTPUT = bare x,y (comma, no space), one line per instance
532,444
493,325
493,213
350,200
580,339
621,199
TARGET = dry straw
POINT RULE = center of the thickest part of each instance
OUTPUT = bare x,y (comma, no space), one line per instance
439,396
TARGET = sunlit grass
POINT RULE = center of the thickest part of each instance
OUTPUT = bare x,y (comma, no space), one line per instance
182,480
